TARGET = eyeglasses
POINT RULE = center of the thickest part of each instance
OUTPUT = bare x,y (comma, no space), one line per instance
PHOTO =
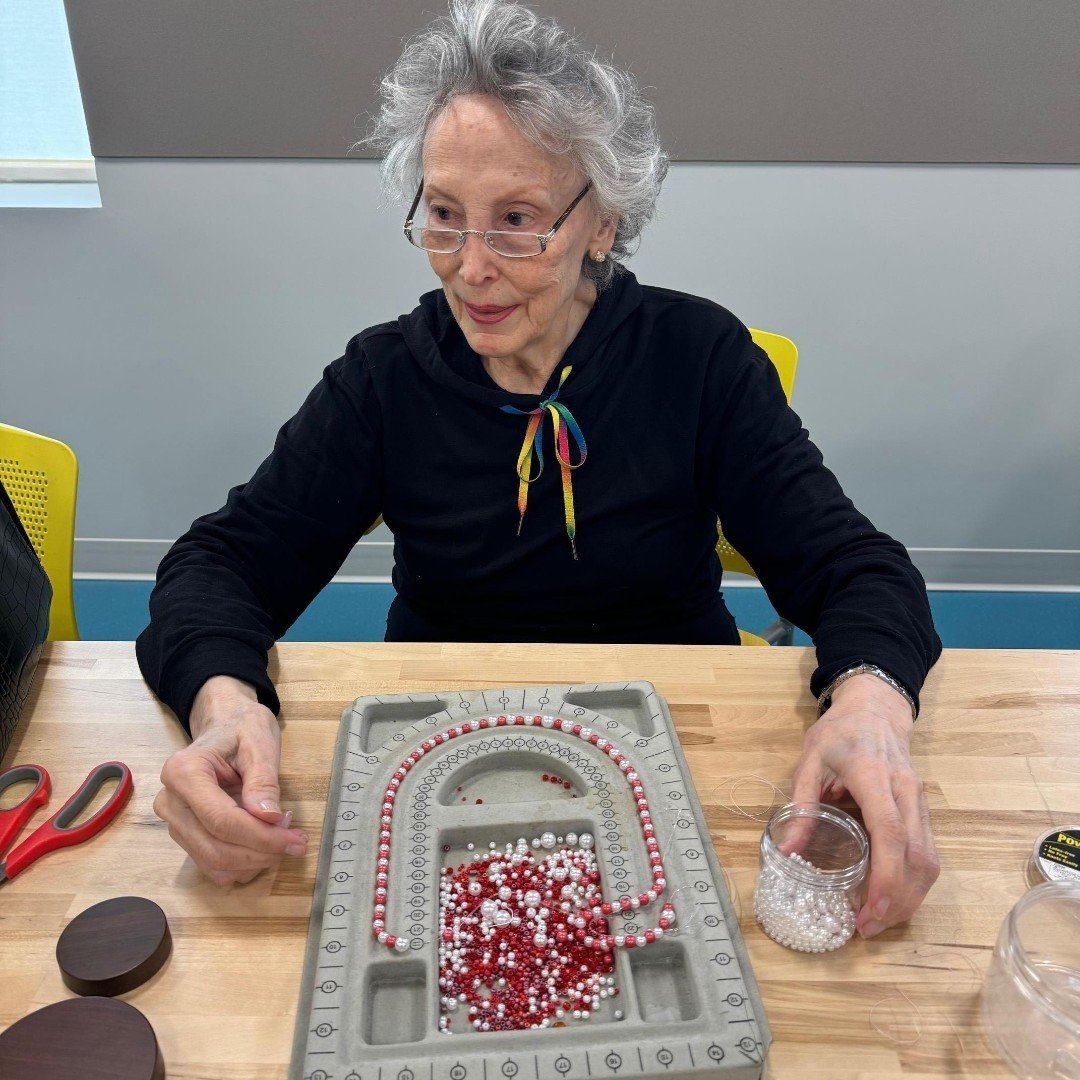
514,245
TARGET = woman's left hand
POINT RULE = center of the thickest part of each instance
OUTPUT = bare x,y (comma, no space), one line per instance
861,745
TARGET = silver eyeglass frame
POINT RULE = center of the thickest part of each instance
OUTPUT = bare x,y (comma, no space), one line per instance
543,239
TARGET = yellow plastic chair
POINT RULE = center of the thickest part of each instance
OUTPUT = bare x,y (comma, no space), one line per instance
41,476
785,358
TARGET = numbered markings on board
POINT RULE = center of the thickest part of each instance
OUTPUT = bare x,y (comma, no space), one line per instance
751,1049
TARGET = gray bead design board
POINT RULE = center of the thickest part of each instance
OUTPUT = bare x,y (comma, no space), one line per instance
689,1004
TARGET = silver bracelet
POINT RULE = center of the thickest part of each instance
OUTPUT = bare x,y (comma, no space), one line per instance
825,698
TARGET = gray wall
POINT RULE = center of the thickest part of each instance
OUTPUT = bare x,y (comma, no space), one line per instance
733,80
168,334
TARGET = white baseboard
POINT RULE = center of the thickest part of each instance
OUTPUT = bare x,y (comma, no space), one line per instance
372,560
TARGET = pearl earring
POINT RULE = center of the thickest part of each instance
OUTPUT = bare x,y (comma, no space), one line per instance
599,256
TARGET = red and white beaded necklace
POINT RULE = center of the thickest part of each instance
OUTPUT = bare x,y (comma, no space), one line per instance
603,941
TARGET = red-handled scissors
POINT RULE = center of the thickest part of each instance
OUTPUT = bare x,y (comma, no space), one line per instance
57,832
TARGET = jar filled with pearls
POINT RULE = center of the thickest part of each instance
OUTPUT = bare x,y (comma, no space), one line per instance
813,862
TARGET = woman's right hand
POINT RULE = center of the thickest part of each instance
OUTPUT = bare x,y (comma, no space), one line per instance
221,798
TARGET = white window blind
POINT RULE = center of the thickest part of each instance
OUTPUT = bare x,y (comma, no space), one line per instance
43,137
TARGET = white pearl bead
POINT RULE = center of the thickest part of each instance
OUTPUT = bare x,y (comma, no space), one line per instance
801,916
401,945
586,840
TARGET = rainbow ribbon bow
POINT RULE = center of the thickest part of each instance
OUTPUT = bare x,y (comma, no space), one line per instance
564,427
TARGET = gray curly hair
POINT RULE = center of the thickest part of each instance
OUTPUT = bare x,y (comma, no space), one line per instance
560,96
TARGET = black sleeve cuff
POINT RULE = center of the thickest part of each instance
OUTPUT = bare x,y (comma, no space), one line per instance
185,674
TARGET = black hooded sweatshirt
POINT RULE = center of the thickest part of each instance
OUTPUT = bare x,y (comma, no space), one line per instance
685,421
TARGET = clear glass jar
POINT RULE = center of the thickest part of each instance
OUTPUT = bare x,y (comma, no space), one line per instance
813,862
1031,995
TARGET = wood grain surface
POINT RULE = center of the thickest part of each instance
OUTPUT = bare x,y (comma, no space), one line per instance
998,745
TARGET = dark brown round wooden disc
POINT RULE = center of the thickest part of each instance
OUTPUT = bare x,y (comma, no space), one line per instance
114,946
91,1038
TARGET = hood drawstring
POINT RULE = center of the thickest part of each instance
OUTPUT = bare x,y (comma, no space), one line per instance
562,423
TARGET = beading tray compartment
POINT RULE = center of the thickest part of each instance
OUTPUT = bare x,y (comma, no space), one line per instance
688,1005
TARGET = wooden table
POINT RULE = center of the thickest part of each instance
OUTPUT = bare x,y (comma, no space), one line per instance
998,746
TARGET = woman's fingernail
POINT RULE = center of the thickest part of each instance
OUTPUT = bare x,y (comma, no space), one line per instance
286,821
270,807
296,849
870,929
880,908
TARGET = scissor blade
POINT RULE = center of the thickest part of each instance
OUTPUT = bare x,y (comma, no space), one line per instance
3,874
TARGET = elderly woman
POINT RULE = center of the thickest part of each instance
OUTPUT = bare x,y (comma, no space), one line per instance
551,444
